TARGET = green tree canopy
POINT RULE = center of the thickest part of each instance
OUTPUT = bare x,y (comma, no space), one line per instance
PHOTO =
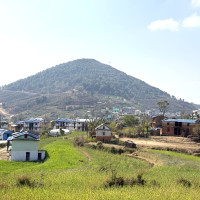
130,120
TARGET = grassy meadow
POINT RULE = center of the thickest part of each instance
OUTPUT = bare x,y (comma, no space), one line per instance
69,174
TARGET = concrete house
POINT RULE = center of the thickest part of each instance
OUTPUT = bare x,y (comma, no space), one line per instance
4,125
5,134
69,124
103,133
178,127
25,147
34,125
82,124
17,127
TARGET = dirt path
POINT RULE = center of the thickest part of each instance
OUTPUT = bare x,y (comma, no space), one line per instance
4,155
152,162
85,154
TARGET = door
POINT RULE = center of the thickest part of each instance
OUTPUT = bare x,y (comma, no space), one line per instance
39,156
27,156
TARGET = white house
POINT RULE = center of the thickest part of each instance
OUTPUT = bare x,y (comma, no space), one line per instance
25,147
103,133
82,124
69,124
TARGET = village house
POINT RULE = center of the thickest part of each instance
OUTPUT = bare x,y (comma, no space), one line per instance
103,133
17,127
4,134
3,125
82,124
178,127
156,124
25,147
69,124
34,125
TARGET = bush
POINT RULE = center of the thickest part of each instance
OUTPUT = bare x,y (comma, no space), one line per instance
79,141
184,182
24,181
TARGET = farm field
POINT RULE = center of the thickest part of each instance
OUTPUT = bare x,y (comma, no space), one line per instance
85,173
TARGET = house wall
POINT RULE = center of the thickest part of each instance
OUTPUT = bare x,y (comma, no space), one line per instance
21,155
6,135
168,128
103,134
156,121
24,145
104,138
106,133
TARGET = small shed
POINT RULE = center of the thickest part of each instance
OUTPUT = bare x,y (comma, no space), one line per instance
4,134
25,147
130,144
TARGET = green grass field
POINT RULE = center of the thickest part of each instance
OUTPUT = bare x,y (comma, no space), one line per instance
63,176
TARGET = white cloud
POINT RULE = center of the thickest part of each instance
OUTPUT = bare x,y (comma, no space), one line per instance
196,3
191,22
167,24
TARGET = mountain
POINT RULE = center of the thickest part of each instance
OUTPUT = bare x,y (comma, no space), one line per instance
82,85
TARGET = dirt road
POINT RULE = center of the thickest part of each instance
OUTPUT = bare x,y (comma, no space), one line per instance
178,144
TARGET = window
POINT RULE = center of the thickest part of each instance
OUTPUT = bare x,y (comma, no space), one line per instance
103,133
25,136
188,124
168,129
168,123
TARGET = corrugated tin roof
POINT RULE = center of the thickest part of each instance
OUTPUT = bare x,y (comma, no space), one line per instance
36,120
2,131
65,120
82,120
16,135
191,121
20,123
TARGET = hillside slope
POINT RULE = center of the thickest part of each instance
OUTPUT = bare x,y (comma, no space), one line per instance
81,84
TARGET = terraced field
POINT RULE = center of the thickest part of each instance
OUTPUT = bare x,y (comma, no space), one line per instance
85,173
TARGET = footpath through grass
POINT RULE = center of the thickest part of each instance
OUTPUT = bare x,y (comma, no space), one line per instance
67,174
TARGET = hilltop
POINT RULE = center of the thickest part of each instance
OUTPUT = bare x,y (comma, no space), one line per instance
85,84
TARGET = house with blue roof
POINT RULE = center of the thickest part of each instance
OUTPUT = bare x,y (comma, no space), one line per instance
34,125
178,127
25,147
4,134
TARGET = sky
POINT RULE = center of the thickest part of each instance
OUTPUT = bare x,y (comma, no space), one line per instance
157,41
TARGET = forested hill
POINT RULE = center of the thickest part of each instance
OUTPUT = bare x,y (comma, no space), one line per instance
89,75
79,85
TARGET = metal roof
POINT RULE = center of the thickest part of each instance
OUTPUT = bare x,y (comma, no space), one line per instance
191,121
2,131
83,120
36,120
20,123
65,120
16,135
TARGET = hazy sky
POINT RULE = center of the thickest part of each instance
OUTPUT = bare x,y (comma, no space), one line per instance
157,41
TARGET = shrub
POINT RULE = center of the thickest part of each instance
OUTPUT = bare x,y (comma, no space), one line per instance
79,141
113,150
24,181
184,182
